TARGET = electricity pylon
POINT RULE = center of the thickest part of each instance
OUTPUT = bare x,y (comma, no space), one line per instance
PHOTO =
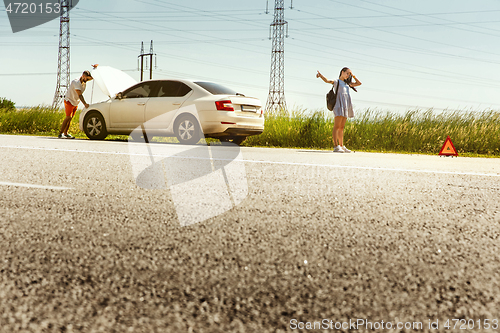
63,66
276,99
141,61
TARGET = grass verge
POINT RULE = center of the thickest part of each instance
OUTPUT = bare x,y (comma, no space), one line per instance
416,131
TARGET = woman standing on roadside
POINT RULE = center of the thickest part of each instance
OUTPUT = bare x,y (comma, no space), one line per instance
343,106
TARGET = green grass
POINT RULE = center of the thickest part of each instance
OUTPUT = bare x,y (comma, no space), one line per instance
423,132
45,121
41,120
416,131
34,120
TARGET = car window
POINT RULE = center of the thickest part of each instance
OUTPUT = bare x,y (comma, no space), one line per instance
173,89
139,91
216,89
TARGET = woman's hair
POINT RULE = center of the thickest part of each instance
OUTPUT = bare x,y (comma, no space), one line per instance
343,70
349,79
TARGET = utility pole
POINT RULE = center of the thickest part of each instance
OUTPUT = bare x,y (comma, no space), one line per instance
150,55
63,65
276,99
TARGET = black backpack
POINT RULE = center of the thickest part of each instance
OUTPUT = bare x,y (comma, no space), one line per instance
331,97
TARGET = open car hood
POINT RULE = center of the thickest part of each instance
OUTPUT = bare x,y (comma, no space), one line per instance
112,80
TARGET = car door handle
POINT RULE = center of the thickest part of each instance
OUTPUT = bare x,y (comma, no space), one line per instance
141,104
176,103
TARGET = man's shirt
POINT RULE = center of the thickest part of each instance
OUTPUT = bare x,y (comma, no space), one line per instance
71,95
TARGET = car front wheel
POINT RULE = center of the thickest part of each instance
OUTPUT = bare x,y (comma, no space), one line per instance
95,127
187,130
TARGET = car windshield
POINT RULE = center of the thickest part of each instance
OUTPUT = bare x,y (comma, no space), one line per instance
216,89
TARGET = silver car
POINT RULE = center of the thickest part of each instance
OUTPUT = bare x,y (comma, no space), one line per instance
185,109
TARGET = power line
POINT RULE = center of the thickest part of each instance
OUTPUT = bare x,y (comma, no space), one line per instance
117,44
432,15
200,12
409,17
156,28
421,50
417,38
184,41
424,72
183,75
427,24
300,78
177,31
52,73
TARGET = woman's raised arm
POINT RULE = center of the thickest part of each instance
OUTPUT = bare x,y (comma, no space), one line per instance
324,78
357,83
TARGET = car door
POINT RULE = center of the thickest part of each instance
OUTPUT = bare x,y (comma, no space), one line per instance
161,109
129,111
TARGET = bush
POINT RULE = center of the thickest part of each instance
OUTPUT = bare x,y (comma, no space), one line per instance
6,105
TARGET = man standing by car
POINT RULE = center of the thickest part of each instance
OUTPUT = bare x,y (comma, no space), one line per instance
73,97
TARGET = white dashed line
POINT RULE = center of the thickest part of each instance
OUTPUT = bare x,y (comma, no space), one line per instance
59,188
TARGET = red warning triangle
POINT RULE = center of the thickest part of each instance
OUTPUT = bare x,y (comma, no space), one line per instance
448,148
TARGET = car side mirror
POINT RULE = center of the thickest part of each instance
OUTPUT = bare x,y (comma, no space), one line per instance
119,95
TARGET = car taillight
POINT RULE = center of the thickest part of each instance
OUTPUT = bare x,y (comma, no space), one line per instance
224,105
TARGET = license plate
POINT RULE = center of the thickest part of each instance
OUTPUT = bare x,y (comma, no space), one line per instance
248,108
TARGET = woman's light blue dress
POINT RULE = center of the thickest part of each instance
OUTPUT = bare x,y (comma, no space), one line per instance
343,106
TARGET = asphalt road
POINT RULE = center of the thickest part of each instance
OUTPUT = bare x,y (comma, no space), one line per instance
118,236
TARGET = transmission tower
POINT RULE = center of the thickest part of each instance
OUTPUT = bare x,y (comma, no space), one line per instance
63,68
276,99
141,61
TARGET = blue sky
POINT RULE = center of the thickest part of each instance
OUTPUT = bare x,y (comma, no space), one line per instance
408,54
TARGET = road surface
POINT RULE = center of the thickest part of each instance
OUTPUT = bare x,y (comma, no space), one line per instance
90,241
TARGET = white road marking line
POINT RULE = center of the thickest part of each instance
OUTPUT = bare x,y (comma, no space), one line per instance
59,188
270,162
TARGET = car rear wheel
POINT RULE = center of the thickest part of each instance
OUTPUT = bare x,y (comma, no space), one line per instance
95,127
187,130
